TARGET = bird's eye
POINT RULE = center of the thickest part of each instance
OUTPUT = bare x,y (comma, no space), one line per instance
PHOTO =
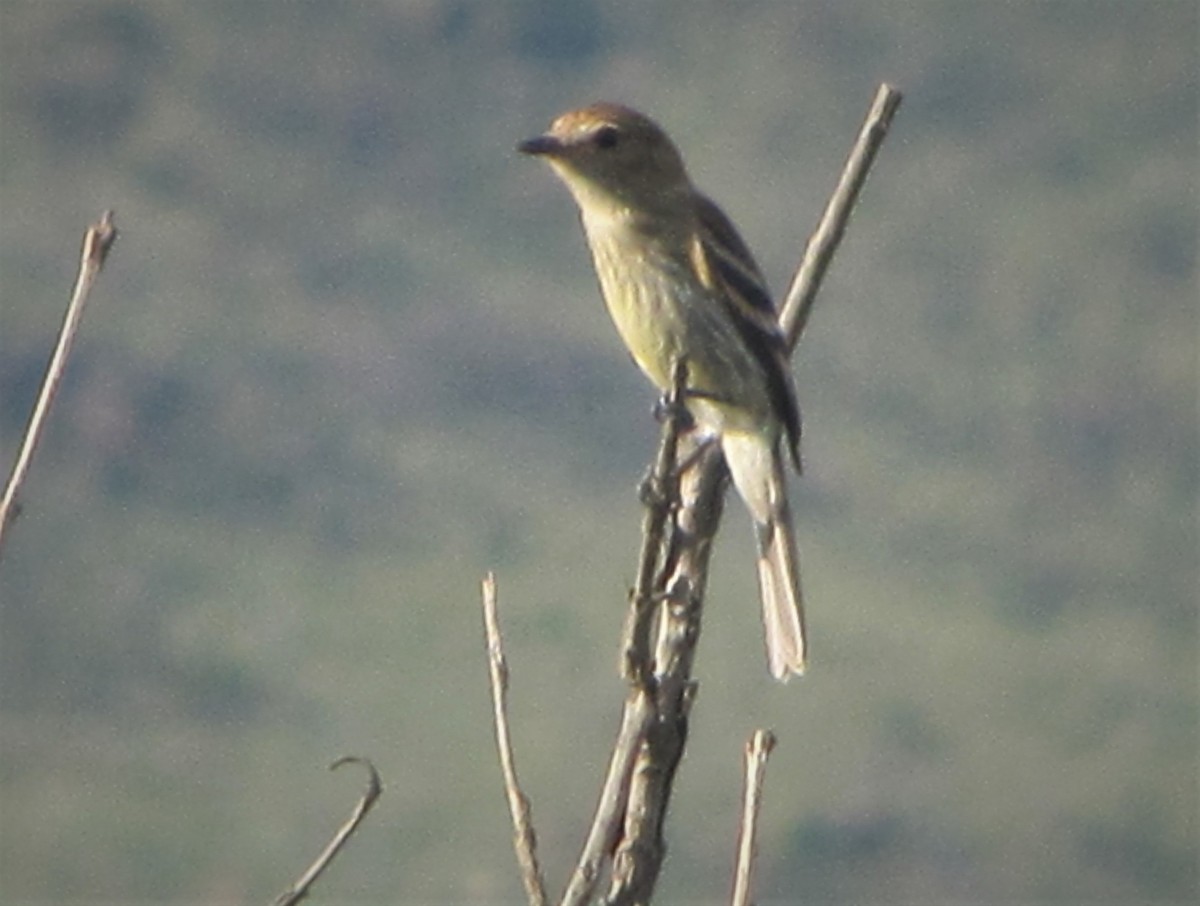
607,137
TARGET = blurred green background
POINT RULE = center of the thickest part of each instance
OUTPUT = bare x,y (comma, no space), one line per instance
349,354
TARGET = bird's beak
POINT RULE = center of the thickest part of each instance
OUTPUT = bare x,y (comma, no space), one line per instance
541,146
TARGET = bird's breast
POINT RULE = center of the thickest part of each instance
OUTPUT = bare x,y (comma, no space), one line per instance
649,297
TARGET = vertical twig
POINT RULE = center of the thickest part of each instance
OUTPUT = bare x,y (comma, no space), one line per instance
758,749
660,495
524,838
300,889
642,847
97,242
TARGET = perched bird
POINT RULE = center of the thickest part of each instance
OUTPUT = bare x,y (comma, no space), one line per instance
678,280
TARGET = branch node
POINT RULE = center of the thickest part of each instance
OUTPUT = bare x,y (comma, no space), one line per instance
99,239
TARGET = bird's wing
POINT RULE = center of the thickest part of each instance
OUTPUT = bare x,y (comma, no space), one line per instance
732,258
724,262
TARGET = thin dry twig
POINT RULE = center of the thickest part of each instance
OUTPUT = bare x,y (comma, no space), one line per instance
524,838
638,849
300,889
818,253
758,750
97,241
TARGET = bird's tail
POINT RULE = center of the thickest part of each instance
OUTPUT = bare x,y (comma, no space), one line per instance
782,602
758,473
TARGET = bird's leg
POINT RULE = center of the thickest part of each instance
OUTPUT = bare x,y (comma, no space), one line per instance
651,492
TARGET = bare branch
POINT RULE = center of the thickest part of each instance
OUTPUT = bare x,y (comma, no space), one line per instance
758,749
97,241
636,721
659,493
642,847
524,838
299,890
798,303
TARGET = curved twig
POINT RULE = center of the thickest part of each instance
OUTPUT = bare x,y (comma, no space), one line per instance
299,890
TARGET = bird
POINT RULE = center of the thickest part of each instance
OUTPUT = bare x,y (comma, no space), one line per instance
679,281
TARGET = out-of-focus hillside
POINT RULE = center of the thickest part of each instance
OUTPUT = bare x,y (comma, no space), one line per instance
348,355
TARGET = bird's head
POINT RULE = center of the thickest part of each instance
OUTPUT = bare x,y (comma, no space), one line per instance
611,158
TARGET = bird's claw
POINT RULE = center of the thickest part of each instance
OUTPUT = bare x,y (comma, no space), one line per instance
667,409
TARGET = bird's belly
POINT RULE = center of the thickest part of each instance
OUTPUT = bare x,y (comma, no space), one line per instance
661,313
